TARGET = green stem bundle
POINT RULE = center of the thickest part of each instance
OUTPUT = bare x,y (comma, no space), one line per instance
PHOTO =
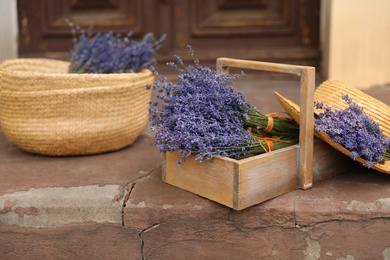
283,133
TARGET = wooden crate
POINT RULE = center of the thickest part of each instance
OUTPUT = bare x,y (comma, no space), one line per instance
239,184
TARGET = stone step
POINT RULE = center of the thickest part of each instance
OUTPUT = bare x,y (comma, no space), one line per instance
76,207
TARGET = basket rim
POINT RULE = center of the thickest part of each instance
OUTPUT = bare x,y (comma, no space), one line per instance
31,61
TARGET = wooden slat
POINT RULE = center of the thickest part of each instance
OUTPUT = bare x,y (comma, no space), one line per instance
211,179
223,65
306,128
240,184
267,176
328,162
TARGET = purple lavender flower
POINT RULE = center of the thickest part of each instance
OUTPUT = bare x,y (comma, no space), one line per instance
109,53
353,129
200,115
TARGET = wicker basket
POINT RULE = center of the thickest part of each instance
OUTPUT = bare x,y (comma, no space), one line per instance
45,110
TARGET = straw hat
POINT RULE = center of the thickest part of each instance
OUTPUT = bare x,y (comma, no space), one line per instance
330,92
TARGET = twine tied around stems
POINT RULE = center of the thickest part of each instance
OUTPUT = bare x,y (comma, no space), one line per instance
269,140
271,117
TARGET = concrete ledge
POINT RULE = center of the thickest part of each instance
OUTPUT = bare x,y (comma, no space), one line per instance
223,239
73,208
358,195
345,216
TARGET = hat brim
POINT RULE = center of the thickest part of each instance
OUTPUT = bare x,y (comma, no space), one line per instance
330,92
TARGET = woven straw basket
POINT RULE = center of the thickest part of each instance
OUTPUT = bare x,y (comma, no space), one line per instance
330,92
46,110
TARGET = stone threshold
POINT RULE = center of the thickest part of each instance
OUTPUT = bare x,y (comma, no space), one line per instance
78,200
114,205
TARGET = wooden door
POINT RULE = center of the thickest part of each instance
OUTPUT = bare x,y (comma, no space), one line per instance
264,30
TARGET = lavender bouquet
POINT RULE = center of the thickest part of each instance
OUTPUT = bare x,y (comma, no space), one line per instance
109,53
353,129
202,116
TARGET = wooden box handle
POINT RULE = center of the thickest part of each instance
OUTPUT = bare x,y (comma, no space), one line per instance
307,86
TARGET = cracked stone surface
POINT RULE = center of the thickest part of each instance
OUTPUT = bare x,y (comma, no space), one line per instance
54,207
223,239
23,171
219,239
71,207
360,194
153,201
101,241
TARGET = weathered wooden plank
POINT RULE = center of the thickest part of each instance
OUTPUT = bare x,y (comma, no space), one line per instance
267,176
306,128
328,162
211,179
258,65
240,184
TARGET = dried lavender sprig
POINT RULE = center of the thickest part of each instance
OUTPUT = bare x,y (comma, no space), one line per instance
109,53
200,115
356,131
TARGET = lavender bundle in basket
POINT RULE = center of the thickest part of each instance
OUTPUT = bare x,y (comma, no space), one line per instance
201,115
109,53
353,129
